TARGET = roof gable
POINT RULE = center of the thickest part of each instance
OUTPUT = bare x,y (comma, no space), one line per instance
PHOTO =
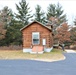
35,22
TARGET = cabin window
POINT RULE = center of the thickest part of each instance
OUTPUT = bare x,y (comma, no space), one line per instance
35,38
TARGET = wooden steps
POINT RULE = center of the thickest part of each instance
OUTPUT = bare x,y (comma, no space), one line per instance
37,48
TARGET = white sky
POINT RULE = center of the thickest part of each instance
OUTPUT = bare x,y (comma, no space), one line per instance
69,6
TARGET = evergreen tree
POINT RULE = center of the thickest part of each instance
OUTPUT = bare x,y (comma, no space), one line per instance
5,19
51,12
13,34
6,16
55,15
59,14
10,33
39,15
23,12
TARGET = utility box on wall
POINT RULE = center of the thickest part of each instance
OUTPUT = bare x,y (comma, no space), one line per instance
43,42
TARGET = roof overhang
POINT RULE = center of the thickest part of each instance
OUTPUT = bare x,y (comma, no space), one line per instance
36,22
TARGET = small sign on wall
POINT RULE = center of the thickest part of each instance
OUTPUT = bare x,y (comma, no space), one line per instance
44,41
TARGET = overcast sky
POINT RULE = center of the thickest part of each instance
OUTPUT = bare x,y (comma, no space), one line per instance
69,6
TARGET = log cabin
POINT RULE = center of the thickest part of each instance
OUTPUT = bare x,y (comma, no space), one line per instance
37,38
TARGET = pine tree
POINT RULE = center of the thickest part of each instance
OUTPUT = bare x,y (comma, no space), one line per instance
5,19
55,15
10,33
23,12
6,16
13,34
59,14
51,11
39,15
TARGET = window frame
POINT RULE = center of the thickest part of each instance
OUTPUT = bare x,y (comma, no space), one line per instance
38,37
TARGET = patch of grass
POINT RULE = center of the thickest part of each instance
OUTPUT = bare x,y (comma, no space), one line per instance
18,54
57,50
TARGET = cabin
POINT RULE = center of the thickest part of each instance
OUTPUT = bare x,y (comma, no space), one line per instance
37,38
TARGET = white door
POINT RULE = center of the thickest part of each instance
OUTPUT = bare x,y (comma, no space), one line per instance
44,41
